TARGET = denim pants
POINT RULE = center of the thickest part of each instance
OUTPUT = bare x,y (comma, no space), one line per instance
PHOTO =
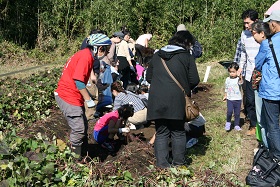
234,106
250,104
174,129
270,121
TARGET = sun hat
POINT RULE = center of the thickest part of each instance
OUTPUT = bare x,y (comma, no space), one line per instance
275,16
181,27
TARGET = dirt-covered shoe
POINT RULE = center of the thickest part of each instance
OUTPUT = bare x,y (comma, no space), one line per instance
227,126
237,128
251,131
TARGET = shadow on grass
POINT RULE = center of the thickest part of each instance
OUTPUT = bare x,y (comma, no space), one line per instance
198,149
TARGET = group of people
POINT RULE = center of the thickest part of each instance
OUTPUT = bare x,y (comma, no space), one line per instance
256,68
109,63
152,95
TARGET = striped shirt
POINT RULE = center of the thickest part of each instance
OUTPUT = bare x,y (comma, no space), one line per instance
129,98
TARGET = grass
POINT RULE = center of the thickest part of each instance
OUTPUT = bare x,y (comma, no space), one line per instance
14,58
220,151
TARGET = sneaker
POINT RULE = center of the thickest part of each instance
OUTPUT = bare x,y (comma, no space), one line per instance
237,128
191,142
227,126
109,146
251,131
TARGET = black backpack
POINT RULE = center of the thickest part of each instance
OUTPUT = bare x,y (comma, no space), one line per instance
265,171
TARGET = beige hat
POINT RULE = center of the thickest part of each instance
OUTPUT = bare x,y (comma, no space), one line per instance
181,27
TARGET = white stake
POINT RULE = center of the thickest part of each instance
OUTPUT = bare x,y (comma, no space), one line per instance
207,74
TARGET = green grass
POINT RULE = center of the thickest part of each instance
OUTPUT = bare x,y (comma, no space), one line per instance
219,150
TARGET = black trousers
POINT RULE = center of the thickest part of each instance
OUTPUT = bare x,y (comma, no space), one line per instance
250,104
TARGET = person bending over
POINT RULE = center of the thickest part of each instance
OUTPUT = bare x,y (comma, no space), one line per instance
110,124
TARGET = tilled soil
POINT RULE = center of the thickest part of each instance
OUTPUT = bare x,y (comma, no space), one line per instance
133,153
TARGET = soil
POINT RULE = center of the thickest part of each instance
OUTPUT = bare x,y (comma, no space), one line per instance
133,153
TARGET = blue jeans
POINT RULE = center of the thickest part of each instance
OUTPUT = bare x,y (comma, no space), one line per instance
250,104
270,121
166,128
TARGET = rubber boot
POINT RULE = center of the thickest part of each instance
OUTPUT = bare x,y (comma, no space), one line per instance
78,150
84,147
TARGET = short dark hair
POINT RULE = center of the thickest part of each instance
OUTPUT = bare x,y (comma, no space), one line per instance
250,13
126,32
233,65
261,26
182,39
126,111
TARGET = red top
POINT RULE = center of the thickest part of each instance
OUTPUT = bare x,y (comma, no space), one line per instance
78,67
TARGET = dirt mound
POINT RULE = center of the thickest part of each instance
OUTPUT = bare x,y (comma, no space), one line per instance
133,154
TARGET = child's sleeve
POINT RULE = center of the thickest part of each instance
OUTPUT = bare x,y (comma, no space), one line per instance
226,85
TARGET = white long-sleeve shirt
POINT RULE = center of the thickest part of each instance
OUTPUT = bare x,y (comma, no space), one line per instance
233,89
250,49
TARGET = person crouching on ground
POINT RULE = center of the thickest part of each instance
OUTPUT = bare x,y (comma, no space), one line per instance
110,124
71,92
125,97
194,129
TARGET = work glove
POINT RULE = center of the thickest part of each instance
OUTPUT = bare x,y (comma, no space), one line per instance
90,103
125,129
132,126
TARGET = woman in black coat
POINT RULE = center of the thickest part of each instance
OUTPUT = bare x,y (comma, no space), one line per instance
166,104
